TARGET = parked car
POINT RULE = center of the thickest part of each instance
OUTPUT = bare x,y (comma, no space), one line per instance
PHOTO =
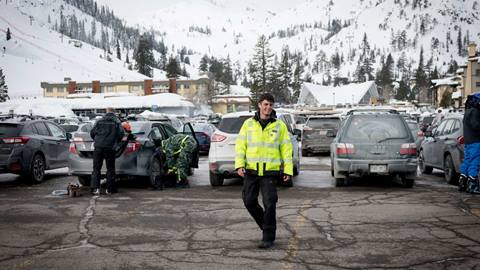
30,147
203,132
373,142
318,134
142,157
77,128
443,148
173,120
221,156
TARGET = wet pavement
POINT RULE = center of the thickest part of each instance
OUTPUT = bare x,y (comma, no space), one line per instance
372,224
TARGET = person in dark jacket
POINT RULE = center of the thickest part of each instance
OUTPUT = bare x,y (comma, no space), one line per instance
471,132
106,134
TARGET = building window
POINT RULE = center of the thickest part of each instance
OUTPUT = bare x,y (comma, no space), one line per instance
186,86
61,89
49,90
477,72
477,84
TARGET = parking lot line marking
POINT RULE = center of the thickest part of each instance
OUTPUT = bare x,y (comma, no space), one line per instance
292,249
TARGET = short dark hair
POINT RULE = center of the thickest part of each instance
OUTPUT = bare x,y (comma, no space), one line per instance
266,96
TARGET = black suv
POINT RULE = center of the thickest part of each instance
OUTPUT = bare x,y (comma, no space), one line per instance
29,147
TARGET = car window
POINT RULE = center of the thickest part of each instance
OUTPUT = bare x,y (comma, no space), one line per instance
157,134
42,129
448,127
232,125
375,128
323,123
56,131
413,126
29,129
439,130
70,128
170,130
9,130
138,128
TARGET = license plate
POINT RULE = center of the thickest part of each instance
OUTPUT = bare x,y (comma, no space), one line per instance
378,168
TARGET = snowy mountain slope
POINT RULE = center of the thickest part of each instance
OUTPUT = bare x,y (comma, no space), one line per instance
35,53
236,25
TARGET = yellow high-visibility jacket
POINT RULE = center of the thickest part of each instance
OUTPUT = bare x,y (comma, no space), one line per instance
263,152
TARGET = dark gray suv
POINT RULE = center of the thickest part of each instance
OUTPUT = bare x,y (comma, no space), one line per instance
375,142
30,147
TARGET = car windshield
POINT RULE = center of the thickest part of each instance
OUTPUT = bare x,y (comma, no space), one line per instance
138,127
428,120
232,125
323,123
375,128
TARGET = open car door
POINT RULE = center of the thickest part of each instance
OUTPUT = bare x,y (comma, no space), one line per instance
188,130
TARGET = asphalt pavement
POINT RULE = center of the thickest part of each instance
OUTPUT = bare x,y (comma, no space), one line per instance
374,223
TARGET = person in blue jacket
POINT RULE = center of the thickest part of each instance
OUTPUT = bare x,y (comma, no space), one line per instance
471,132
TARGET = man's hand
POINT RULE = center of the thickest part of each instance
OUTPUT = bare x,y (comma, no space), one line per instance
241,172
286,177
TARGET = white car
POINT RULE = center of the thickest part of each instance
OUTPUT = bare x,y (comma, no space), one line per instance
221,156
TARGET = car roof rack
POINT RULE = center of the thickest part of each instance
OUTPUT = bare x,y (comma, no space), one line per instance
372,110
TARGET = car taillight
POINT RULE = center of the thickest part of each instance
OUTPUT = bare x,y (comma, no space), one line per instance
307,128
218,138
78,139
461,140
16,140
72,148
345,149
408,149
132,147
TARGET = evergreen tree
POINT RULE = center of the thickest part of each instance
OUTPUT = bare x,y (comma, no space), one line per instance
3,87
364,69
403,91
9,34
285,76
227,73
385,77
262,60
460,42
421,82
204,63
144,57
119,53
187,60
126,58
297,79
173,67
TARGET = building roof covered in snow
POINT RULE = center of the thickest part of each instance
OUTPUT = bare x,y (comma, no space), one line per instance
445,81
57,106
354,93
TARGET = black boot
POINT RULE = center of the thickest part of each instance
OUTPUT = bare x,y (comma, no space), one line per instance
475,189
462,183
471,183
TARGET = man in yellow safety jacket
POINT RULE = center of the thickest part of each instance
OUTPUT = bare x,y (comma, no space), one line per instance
263,152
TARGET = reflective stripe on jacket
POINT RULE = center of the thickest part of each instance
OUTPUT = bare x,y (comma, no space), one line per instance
264,151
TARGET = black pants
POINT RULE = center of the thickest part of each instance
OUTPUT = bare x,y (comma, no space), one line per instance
266,219
100,154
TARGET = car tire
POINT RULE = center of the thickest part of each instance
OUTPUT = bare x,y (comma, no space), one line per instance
84,180
155,171
190,171
216,179
340,182
36,172
304,153
451,176
408,182
421,163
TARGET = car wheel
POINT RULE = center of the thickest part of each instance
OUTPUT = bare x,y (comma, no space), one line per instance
331,169
340,182
304,153
190,171
37,169
155,172
421,164
451,176
407,182
84,180
216,179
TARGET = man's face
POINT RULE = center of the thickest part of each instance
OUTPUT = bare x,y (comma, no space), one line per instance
265,107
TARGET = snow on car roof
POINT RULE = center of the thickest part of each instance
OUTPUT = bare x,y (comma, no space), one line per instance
238,114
